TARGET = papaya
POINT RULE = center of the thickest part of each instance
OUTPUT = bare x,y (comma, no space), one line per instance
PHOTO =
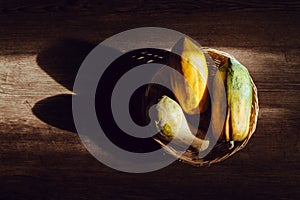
191,90
172,125
238,97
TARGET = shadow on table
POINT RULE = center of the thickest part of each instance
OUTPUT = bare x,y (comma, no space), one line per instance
56,111
62,62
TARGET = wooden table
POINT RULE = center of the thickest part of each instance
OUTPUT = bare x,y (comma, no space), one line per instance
42,44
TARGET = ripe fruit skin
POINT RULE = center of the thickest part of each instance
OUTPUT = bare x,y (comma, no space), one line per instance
172,125
191,92
219,101
238,86
239,94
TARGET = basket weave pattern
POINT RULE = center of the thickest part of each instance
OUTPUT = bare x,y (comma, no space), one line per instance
221,150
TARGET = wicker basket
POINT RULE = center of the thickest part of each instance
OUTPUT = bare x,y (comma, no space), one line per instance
222,149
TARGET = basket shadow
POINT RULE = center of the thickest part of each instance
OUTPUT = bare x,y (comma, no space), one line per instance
56,111
62,60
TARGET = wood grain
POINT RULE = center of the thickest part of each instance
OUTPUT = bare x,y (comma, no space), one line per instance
42,44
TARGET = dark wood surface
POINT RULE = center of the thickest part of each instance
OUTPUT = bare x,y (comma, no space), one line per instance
42,44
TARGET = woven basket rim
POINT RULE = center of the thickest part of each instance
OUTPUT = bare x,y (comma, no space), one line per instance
253,123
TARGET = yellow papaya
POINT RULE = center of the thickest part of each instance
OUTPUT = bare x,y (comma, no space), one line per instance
219,100
191,92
